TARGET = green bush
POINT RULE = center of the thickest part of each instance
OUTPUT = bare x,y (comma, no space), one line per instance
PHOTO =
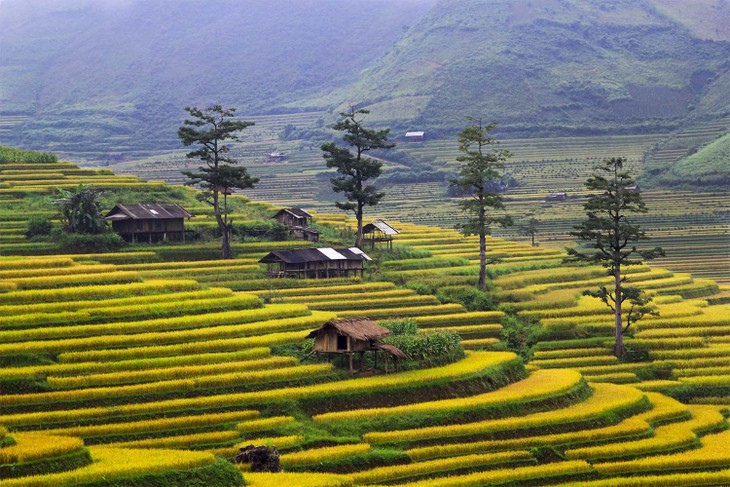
520,334
401,327
86,242
473,299
429,349
38,227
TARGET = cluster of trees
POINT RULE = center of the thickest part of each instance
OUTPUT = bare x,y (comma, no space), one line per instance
607,230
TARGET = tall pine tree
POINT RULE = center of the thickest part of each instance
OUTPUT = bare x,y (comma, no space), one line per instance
208,129
613,197
354,170
479,181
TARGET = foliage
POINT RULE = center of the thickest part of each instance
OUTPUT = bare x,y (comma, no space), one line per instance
12,154
81,210
614,237
208,129
87,242
520,334
400,327
481,166
355,170
431,349
38,227
472,298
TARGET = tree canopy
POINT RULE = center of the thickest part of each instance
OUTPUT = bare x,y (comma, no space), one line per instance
353,168
207,130
482,166
613,236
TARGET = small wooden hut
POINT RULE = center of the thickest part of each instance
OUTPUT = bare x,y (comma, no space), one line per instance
315,262
354,335
150,222
296,219
379,232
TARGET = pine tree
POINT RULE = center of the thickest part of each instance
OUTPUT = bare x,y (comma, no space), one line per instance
353,168
614,196
479,180
208,129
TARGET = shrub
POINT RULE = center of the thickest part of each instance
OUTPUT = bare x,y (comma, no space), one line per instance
430,349
472,298
85,242
520,334
38,227
401,327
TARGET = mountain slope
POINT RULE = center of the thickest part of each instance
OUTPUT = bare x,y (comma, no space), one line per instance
87,71
558,65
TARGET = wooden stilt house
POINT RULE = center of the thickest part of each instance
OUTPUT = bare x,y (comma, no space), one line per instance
354,335
315,262
296,219
150,222
379,232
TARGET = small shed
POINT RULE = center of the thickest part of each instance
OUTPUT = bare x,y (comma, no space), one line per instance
149,222
297,219
354,335
315,262
379,232
562,196
415,136
276,156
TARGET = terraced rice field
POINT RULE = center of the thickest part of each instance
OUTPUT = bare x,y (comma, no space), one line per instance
693,227
149,366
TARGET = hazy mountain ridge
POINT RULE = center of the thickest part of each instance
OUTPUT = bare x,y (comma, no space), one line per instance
115,75
126,69
558,66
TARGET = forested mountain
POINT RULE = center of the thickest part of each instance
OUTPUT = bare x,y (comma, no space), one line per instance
116,74
87,70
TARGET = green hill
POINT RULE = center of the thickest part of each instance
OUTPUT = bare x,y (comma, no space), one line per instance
79,76
548,67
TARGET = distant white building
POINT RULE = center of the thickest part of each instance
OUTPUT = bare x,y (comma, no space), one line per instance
415,136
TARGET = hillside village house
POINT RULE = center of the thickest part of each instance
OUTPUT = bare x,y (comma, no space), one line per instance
149,222
415,136
315,262
296,219
354,335
379,232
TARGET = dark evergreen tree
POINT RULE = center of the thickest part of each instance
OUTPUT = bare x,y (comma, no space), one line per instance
208,129
482,166
353,168
613,197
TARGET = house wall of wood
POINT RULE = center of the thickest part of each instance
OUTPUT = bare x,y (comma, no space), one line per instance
291,220
327,341
148,226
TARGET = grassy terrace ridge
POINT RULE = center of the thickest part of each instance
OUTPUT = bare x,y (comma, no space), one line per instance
156,369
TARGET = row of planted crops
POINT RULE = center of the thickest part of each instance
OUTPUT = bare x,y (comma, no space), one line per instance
151,367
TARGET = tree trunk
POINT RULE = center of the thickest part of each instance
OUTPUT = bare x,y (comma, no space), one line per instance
359,238
619,350
225,235
482,284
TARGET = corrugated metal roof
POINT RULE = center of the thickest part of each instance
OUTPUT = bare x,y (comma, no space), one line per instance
332,254
147,211
418,133
298,256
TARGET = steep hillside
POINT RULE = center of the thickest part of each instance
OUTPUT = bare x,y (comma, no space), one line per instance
552,66
116,75
112,76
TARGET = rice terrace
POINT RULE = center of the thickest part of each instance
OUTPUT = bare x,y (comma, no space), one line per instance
411,243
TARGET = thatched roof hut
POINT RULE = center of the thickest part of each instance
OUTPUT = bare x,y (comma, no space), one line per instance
351,335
